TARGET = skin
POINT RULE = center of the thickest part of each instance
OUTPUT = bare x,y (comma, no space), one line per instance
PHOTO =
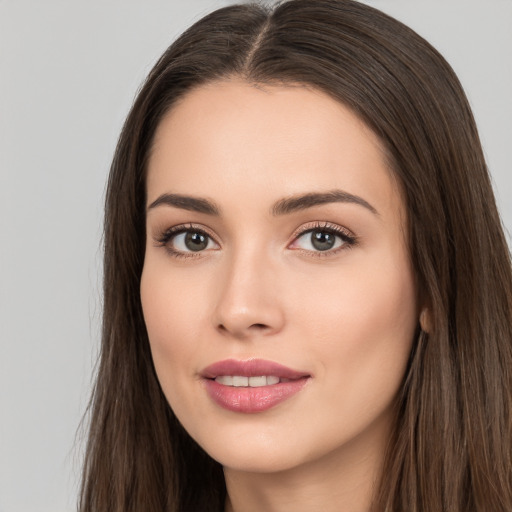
260,289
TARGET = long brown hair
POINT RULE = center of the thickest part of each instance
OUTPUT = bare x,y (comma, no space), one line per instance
451,450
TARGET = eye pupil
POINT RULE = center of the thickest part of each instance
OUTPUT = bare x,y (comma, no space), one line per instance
322,241
196,241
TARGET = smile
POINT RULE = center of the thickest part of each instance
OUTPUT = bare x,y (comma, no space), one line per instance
238,381
251,386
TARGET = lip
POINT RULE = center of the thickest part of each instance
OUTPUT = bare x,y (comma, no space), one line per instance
252,399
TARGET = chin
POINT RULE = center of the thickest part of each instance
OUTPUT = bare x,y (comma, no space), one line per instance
269,444
254,459
268,450
252,448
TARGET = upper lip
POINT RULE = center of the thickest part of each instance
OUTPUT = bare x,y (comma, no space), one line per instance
251,368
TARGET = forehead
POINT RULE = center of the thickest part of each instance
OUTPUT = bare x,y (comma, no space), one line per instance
266,141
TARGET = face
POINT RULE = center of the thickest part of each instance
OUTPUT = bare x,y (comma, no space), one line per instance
277,290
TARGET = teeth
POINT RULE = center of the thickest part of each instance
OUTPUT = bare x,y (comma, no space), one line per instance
253,382
227,380
240,381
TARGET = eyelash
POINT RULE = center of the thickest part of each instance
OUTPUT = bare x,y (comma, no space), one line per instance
164,239
348,239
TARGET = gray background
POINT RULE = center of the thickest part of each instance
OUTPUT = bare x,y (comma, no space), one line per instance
68,73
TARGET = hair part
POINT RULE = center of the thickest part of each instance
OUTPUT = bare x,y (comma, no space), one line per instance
451,448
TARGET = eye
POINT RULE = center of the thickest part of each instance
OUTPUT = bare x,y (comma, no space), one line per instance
319,241
181,241
194,241
323,239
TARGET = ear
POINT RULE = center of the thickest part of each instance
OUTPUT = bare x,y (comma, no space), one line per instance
425,320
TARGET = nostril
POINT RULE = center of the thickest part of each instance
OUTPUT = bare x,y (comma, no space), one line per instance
245,331
259,326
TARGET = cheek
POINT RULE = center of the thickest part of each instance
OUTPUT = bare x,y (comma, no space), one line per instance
362,322
171,300
371,298
171,321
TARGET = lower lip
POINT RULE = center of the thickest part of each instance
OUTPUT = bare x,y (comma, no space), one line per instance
252,400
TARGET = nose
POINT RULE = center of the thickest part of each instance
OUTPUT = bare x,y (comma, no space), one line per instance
248,304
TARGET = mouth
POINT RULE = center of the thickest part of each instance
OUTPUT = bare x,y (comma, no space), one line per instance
251,386
240,381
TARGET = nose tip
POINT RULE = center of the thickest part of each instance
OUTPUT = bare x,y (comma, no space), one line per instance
247,304
240,326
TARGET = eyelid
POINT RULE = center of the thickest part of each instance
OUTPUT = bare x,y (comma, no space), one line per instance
322,225
347,236
163,238
165,234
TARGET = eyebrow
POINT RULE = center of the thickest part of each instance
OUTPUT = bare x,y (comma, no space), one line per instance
304,201
193,204
282,207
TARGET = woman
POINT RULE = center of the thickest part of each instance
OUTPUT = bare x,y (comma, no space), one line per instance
308,293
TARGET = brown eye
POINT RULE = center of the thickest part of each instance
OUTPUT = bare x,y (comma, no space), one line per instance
191,240
196,241
323,240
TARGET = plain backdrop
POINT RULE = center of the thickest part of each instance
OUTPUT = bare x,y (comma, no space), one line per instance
68,74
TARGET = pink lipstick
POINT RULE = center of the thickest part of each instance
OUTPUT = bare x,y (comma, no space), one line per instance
251,386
